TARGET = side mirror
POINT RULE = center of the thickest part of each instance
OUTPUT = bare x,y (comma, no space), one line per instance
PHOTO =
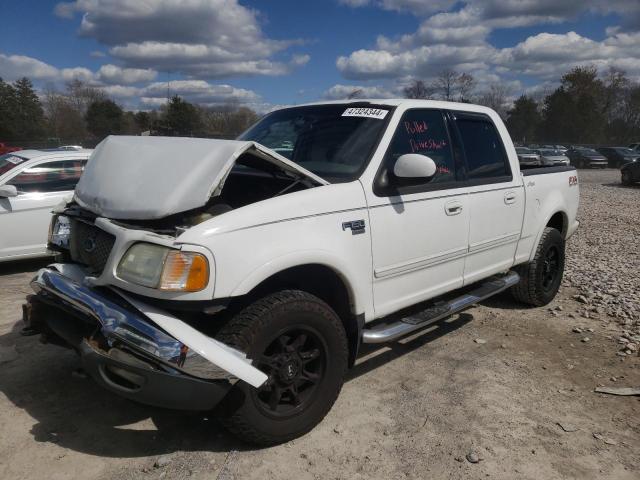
8,191
414,165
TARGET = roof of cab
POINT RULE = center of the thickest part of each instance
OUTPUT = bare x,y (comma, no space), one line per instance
409,102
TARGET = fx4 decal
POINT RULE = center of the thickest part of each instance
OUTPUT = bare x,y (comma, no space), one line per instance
573,180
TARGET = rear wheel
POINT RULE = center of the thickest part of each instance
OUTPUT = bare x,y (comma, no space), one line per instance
300,343
540,278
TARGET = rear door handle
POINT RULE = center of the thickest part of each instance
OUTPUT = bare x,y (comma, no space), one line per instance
453,208
510,197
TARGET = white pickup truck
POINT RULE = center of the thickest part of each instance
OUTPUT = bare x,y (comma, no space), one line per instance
244,275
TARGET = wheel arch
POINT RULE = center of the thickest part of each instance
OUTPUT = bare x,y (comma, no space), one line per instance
558,220
318,278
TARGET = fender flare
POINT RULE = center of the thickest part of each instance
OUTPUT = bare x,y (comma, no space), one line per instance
300,259
544,225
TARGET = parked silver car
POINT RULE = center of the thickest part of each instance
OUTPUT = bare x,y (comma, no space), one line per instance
528,157
552,157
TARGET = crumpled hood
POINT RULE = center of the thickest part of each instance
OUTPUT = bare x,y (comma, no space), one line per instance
144,178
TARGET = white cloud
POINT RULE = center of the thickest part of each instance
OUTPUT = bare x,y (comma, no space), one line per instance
197,91
114,74
121,91
77,73
339,92
460,40
418,7
547,55
206,38
422,61
354,3
18,66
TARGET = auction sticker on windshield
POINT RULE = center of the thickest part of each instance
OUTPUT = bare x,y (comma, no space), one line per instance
14,160
365,112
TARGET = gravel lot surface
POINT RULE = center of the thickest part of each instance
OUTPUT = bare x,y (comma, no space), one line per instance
500,391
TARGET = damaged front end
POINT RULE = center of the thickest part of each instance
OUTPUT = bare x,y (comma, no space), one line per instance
120,260
159,361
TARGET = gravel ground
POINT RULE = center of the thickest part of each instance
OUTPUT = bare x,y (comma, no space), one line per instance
603,260
500,391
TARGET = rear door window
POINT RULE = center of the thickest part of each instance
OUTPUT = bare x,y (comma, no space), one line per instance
485,154
55,176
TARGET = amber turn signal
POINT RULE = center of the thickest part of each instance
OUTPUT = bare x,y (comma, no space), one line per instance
184,271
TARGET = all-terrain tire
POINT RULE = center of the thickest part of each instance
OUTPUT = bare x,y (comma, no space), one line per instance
538,285
626,178
258,331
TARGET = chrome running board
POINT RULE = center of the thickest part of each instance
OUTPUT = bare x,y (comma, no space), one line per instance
392,331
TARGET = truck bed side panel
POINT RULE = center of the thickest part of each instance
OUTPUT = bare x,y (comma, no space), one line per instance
547,192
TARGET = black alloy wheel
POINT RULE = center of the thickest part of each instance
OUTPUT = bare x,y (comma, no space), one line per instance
295,362
550,267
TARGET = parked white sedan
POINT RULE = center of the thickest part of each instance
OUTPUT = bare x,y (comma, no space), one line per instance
32,182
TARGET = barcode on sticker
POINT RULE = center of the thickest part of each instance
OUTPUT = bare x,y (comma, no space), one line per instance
365,112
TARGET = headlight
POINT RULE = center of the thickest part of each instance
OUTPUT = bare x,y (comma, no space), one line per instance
59,231
163,268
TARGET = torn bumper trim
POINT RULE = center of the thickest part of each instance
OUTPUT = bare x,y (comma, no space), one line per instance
182,351
135,380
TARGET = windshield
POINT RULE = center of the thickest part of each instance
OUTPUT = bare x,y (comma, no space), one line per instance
333,141
590,151
9,161
625,151
523,150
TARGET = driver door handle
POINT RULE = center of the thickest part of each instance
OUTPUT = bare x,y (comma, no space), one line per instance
453,208
510,197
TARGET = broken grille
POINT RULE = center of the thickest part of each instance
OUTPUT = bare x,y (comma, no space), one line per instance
90,245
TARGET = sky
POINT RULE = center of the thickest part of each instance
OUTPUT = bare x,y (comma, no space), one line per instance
270,53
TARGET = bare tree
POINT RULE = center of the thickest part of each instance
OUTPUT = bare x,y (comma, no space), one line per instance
616,84
417,89
81,95
496,98
445,84
65,122
465,84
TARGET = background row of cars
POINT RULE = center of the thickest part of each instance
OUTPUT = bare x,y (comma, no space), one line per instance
579,156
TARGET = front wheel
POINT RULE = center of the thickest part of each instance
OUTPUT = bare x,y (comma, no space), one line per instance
540,278
626,178
300,343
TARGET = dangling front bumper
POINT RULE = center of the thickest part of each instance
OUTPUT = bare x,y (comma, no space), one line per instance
132,348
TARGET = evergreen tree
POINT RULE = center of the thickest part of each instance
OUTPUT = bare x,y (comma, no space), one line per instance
524,119
28,115
104,117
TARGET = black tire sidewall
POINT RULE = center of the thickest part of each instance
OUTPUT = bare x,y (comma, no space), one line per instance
552,239
325,323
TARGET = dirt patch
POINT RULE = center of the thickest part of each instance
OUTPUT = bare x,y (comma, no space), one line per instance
520,402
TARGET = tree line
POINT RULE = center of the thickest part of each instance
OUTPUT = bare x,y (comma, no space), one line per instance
84,114
587,107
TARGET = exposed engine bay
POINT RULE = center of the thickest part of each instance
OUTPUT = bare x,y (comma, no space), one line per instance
251,180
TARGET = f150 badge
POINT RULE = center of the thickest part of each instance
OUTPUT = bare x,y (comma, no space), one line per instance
356,226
